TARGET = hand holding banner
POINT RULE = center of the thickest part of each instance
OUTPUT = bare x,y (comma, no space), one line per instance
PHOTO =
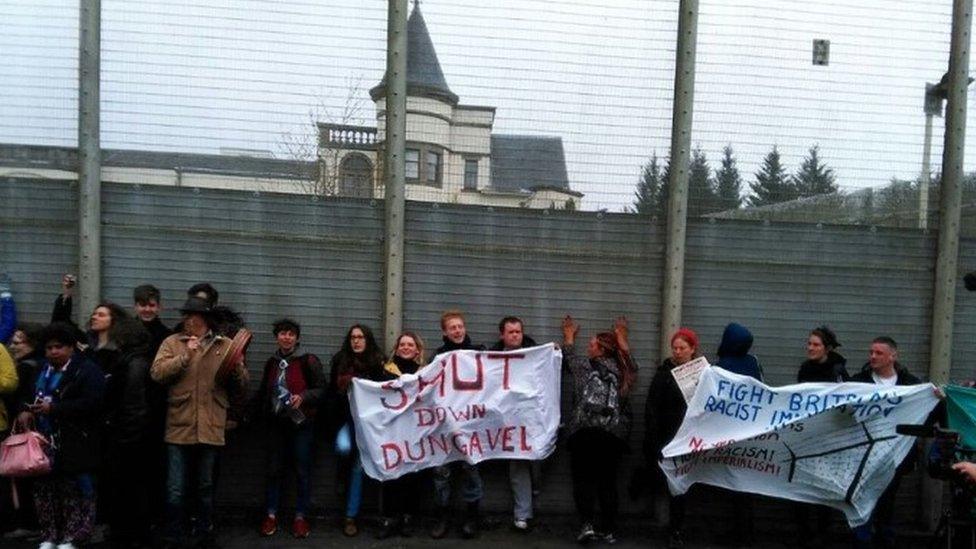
464,405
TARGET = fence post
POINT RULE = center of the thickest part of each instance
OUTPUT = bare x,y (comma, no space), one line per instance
681,118
89,159
394,167
950,202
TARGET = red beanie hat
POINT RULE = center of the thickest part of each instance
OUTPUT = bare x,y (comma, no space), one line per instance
688,335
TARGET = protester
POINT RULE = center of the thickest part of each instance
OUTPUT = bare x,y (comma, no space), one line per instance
101,347
733,355
823,365
399,495
599,425
189,364
27,351
455,336
360,356
511,336
66,408
147,303
663,414
8,386
884,369
128,466
292,387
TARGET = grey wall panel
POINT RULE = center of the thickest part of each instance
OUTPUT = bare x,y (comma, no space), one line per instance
783,280
38,240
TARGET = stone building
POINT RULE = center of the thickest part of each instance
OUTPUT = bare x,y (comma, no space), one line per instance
452,154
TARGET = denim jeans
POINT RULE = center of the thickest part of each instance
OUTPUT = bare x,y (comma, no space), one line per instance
471,489
289,444
189,461
520,479
344,446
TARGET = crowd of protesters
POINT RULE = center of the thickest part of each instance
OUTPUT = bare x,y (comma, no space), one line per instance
137,414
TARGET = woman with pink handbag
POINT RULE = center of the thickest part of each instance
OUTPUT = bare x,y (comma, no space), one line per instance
68,394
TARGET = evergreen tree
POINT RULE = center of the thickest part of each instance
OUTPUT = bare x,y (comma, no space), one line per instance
814,176
701,192
728,182
772,184
647,197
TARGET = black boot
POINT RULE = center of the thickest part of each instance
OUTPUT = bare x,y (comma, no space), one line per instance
471,519
388,528
439,529
406,525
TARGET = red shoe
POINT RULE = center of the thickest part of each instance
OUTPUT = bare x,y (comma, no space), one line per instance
300,528
269,526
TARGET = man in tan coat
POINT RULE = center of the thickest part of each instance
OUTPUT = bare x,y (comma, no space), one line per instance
188,363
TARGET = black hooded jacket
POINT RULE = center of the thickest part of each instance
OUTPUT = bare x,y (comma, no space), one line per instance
832,370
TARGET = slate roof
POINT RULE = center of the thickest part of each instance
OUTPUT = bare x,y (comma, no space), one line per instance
424,75
66,158
522,162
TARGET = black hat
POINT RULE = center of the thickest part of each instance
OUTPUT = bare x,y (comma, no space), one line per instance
196,305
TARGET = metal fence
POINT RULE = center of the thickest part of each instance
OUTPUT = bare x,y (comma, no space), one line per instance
243,144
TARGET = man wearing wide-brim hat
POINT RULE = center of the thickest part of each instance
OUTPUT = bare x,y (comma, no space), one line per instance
189,364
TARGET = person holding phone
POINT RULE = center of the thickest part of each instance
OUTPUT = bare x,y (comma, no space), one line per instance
67,403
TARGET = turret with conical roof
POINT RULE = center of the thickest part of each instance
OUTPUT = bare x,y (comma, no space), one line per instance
424,75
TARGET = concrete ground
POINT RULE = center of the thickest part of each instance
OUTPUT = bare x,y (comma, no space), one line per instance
496,534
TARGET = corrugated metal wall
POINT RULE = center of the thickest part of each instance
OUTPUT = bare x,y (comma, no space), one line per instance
38,240
321,262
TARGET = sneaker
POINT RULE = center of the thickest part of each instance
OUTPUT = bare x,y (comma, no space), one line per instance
269,526
349,528
521,526
676,540
586,533
66,545
300,528
47,545
609,538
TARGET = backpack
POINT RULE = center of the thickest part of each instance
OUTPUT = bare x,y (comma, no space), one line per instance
599,403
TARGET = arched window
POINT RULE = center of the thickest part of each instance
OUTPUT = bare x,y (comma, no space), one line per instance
356,177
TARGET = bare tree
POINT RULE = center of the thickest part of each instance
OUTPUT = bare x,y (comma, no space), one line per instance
320,171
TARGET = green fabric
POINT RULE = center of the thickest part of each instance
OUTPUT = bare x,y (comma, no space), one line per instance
961,408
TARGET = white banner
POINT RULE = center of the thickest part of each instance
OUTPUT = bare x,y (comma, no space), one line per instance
464,405
828,443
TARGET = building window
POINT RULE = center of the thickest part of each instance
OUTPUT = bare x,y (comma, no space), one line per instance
356,177
470,174
433,172
413,164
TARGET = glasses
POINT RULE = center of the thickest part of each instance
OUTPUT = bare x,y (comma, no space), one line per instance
357,337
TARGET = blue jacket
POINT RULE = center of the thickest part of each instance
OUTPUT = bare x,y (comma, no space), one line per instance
733,352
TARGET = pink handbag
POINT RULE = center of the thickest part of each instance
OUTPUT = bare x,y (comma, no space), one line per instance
22,454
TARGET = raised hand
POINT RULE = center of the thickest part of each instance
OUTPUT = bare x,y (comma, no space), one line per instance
570,329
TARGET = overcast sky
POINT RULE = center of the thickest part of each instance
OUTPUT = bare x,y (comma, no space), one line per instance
203,75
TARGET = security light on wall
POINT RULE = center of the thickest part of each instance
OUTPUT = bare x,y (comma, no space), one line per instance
821,52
